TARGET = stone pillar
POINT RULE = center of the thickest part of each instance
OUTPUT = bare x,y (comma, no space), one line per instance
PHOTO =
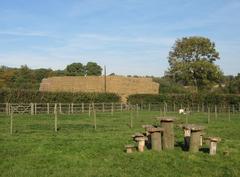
140,139
168,135
156,138
141,143
213,145
129,148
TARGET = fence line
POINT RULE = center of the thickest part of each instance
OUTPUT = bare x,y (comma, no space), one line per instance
77,108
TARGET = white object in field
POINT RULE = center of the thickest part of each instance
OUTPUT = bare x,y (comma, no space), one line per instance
182,111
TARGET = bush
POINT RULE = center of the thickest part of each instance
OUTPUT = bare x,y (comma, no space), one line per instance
210,99
32,96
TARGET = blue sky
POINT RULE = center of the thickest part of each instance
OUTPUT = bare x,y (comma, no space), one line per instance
128,36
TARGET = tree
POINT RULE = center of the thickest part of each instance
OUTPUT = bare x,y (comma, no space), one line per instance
75,69
191,63
42,73
24,78
232,84
93,69
189,49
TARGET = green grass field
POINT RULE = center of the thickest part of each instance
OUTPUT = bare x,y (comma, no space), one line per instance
78,150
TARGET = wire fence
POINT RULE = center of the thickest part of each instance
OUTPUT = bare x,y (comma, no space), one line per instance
210,112
78,108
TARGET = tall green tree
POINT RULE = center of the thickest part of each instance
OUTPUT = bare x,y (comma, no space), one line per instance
191,63
93,69
75,69
189,49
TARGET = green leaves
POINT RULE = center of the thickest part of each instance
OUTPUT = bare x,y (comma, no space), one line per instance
191,63
28,96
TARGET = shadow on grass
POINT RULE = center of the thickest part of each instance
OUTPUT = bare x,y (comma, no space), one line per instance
204,150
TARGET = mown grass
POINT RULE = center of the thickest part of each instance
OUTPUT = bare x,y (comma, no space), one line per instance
78,150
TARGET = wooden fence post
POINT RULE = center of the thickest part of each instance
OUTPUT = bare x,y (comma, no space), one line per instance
95,119
121,107
174,107
112,109
35,108
11,122
69,108
164,109
229,113
72,108
216,114
82,107
32,109
89,109
48,108
55,118
149,107
131,119
209,114
137,111
198,108
93,107
160,111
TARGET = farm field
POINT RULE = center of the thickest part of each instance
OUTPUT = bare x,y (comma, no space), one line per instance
77,149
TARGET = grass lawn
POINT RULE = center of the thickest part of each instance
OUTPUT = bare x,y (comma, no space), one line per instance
78,150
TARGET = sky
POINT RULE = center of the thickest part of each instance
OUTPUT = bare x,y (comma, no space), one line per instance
130,37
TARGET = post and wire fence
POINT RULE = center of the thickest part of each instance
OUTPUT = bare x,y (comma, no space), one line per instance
210,111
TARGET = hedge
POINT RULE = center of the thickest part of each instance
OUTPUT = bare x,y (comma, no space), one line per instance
33,96
209,99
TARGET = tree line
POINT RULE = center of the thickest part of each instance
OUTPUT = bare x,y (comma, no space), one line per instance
192,69
27,78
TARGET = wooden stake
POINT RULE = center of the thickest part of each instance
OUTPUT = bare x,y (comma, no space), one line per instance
32,109
131,119
72,108
48,108
11,122
137,111
121,107
164,110
89,109
209,114
216,114
112,109
69,109
82,107
35,108
229,113
55,118
95,119
149,107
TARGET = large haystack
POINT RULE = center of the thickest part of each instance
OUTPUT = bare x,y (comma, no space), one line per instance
123,86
